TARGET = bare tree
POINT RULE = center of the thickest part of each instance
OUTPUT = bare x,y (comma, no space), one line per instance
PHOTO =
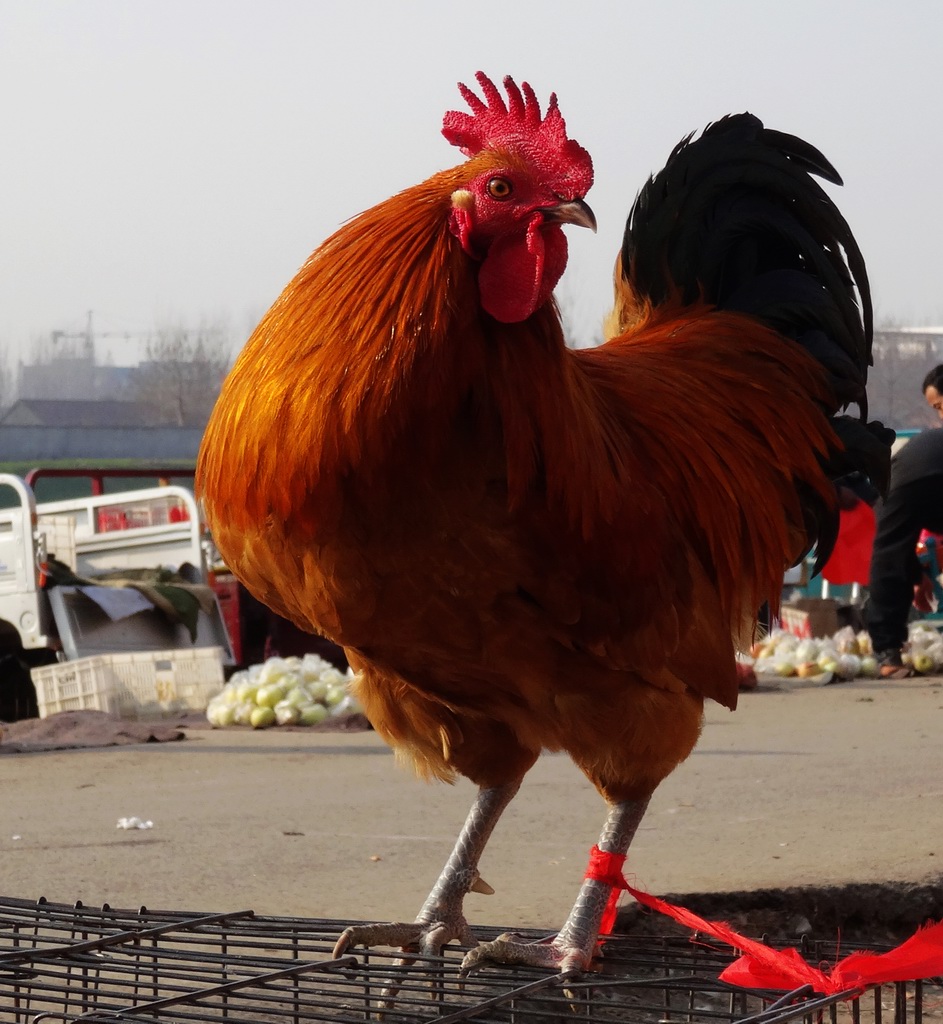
182,372
7,387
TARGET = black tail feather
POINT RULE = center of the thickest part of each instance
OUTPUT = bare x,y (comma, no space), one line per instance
731,214
737,220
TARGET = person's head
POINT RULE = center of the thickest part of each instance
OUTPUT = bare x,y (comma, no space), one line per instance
933,389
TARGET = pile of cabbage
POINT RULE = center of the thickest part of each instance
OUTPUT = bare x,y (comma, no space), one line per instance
846,655
284,691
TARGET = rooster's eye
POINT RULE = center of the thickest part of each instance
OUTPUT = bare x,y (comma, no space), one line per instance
499,188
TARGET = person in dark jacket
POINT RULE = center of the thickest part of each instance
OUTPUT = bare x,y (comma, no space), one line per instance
914,503
933,389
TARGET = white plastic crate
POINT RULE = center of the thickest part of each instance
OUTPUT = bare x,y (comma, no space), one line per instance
146,685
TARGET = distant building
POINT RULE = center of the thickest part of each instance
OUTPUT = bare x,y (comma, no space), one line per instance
924,343
902,358
75,378
43,431
181,378
47,412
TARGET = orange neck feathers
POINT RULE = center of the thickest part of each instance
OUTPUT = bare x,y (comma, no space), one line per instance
379,340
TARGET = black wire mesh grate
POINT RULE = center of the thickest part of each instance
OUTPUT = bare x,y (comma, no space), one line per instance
77,963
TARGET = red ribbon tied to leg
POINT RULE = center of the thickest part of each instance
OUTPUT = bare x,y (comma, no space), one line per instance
607,868
760,966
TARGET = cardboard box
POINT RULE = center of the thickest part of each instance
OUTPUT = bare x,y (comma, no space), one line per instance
811,617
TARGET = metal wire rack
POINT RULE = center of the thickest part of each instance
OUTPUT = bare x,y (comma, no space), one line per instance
95,965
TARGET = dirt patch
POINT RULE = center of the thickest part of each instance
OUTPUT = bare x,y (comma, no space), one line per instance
69,730
884,913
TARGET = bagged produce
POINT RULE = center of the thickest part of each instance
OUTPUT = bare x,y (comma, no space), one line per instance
845,655
284,691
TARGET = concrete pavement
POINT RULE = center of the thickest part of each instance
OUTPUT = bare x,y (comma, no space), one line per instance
801,785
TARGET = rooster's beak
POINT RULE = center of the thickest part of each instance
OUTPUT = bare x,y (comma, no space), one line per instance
573,212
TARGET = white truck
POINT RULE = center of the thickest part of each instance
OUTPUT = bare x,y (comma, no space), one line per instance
151,528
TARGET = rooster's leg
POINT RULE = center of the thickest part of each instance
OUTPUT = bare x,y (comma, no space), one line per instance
573,947
442,918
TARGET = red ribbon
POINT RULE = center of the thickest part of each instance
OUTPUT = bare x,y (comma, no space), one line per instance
607,868
760,966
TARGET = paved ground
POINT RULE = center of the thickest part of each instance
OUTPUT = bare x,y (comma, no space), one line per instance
799,786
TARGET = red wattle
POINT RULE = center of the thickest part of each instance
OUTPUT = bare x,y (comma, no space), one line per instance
520,271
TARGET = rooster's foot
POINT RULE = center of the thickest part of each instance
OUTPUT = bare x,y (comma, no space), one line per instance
424,937
510,949
421,938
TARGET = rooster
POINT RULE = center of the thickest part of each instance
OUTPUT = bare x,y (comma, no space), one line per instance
524,547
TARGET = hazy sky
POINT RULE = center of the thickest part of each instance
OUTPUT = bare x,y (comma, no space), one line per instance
177,160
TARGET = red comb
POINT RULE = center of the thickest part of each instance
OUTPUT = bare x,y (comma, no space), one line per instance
519,127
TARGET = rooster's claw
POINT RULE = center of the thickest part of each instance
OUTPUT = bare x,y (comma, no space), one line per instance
376,935
509,949
425,937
